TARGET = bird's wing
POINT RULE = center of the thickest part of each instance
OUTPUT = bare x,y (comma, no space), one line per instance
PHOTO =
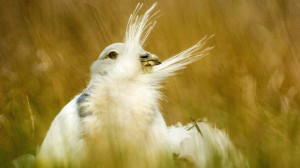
63,137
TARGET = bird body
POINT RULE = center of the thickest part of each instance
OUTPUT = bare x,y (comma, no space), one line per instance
121,108
119,111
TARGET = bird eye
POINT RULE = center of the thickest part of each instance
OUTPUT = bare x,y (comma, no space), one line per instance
112,55
146,56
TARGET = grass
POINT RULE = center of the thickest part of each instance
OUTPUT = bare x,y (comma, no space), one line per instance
249,85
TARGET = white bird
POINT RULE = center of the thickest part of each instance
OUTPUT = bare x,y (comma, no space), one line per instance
119,111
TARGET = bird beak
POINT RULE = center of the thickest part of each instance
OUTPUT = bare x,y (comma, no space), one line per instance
149,60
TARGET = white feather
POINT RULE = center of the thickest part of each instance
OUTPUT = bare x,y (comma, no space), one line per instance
209,148
62,142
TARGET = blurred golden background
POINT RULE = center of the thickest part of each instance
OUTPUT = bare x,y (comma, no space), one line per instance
249,84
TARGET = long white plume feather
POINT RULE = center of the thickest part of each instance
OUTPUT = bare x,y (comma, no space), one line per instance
139,27
179,61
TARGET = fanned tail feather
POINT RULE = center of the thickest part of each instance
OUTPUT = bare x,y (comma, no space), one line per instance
210,148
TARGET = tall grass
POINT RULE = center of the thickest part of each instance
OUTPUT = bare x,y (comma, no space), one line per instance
249,85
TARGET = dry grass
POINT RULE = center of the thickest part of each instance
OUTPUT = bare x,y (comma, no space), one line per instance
249,85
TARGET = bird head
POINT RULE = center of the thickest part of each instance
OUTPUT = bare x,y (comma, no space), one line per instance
130,60
114,56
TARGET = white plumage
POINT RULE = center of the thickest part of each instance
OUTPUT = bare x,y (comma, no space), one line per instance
119,109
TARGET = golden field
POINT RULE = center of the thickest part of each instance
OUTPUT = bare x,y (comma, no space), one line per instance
248,85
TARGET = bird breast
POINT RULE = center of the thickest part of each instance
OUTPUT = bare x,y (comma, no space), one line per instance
121,109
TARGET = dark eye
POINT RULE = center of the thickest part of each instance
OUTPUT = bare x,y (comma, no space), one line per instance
112,55
146,56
